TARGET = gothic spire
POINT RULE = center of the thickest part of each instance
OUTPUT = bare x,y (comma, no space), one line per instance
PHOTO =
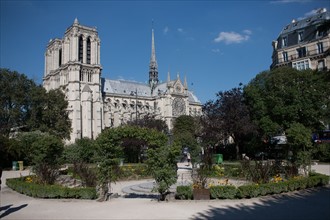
185,82
76,21
153,67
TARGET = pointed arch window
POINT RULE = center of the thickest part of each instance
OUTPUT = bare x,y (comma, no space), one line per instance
89,77
81,48
88,50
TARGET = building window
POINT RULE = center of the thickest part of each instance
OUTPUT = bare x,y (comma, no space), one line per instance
89,77
284,41
88,51
300,36
320,47
81,76
320,32
301,65
301,52
285,56
81,46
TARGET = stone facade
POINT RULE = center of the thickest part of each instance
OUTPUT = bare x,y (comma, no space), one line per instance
304,44
95,103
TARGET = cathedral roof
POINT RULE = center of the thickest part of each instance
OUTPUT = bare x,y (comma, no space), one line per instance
124,87
192,97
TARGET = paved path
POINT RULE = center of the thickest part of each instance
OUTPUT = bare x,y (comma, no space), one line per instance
307,204
146,189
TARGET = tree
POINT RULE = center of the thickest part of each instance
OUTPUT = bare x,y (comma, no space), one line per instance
227,117
25,105
280,97
46,153
81,154
185,134
108,154
299,142
15,100
7,151
163,168
49,113
83,150
149,121
24,144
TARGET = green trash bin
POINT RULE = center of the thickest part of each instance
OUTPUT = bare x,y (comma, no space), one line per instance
218,158
15,165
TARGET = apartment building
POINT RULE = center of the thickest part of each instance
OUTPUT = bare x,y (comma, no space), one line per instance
304,43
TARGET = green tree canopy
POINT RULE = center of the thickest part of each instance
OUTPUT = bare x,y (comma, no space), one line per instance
185,134
49,113
227,117
163,168
283,96
45,155
27,105
149,121
15,100
82,151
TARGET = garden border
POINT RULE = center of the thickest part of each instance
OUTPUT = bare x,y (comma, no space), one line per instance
25,187
256,190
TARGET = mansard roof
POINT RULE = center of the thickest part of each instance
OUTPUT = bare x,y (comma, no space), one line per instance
315,19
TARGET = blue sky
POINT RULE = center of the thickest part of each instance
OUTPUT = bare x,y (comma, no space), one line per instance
215,44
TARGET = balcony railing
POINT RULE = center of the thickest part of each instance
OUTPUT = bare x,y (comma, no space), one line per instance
310,54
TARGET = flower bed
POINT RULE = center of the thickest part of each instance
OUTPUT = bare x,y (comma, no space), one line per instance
133,172
255,190
25,185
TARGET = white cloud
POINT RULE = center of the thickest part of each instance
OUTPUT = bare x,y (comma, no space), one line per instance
232,37
180,30
248,32
289,1
166,29
215,50
312,12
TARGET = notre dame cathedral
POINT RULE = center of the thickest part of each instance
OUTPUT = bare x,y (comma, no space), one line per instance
95,103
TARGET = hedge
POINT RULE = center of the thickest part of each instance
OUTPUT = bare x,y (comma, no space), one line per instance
255,190
50,191
184,192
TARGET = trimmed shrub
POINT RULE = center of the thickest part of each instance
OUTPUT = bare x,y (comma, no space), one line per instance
50,191
251,191
247,191
276,188
223,192
184,192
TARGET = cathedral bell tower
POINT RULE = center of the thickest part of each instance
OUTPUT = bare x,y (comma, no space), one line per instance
153,67
73,64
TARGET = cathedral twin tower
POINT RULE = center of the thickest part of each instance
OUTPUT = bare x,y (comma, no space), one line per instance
94,103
